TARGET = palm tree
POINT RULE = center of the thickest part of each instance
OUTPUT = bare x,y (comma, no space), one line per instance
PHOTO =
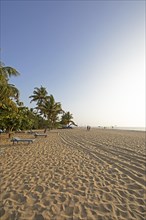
8,71
9,96
8,91
51,110
66,119
39,95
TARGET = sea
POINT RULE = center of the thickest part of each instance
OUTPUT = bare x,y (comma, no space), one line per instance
123,128
131,128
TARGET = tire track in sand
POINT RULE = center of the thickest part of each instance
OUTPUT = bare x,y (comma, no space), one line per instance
109,158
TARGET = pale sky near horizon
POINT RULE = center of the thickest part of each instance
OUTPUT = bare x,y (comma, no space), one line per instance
89,54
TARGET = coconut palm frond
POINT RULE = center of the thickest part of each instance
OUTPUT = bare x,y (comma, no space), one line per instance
39,95
8,71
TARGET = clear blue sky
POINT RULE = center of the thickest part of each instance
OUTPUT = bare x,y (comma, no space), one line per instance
89,54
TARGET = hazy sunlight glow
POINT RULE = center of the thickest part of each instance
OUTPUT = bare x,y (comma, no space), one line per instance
89,54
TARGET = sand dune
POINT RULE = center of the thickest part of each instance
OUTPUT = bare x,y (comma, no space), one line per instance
74,174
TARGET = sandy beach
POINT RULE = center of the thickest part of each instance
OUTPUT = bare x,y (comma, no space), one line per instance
74,174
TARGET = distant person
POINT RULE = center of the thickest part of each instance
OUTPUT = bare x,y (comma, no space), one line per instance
88,128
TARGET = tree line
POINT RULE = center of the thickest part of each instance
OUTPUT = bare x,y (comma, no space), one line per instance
15,116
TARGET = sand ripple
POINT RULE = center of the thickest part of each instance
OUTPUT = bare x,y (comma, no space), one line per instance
73,175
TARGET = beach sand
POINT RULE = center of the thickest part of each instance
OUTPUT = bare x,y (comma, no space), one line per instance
74,174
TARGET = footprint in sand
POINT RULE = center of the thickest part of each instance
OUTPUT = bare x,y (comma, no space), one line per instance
2,212
38,217
39,189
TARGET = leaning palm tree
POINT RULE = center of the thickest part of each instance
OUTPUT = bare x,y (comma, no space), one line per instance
8,91
8,71
9,96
